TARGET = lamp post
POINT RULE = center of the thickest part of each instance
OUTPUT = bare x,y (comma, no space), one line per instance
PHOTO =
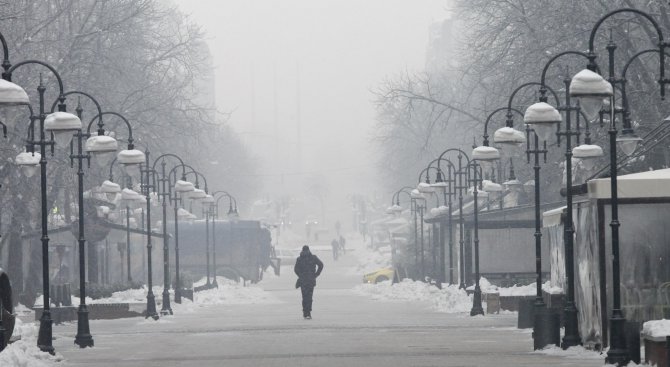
163,189
459,185
423,188
129,199
130,159
197,195
448,190
181,187
107,144
474,175
419,206
215,216
395,208
487,154
544,119
63,125
590,88
437,236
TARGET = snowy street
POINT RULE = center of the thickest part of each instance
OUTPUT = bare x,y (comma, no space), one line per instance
348,329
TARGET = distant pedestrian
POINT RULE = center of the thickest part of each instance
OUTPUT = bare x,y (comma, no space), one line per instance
336,249
307,267
338,227
342,243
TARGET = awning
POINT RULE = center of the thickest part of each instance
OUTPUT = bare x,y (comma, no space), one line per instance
648,184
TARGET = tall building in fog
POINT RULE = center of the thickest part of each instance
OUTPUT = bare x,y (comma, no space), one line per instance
442,45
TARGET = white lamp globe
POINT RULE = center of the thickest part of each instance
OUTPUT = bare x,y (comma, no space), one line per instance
590,88
12,94
197,194
628,141
63,125
102,147
182,186
110,189
542,118
485,153
509,136
425,188
28,163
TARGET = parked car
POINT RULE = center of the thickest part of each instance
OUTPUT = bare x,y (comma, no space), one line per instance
380,275
287,256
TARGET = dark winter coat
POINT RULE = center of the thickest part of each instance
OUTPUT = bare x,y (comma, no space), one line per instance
307,267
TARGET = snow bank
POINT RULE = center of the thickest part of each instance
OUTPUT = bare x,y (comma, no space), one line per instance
24,352
228,293
231,293
577,352
450,299
369,260
515,290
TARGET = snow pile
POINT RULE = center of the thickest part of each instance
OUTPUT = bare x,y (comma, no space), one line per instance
656,328
450,299
370,260
128,296
231,293
577,352
24,352
515,290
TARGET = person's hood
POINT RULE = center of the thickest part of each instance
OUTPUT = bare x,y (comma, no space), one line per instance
305,253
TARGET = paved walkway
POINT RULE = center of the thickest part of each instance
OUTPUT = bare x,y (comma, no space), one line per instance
347,330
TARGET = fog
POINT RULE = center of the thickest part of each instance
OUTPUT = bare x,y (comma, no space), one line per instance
296,77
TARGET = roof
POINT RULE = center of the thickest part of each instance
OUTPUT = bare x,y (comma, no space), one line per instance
648,184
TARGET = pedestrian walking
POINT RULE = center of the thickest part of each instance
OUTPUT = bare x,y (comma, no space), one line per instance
307,267
342,243
336,249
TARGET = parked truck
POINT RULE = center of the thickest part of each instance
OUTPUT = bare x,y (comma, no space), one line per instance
243,248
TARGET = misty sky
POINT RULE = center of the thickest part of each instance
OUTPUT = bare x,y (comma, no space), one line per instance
338,50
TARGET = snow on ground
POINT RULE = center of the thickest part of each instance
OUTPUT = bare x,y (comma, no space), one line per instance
232,293
449,299
228,293
24,352
579,352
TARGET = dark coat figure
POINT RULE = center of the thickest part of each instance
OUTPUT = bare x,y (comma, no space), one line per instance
336,249
307,267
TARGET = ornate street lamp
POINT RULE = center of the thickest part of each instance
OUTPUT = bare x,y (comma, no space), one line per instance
181,188
544,119
474,174
105,145
198,195
61,124
444,184
130,159
590,88
163,188
232,212
420,206
460,185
